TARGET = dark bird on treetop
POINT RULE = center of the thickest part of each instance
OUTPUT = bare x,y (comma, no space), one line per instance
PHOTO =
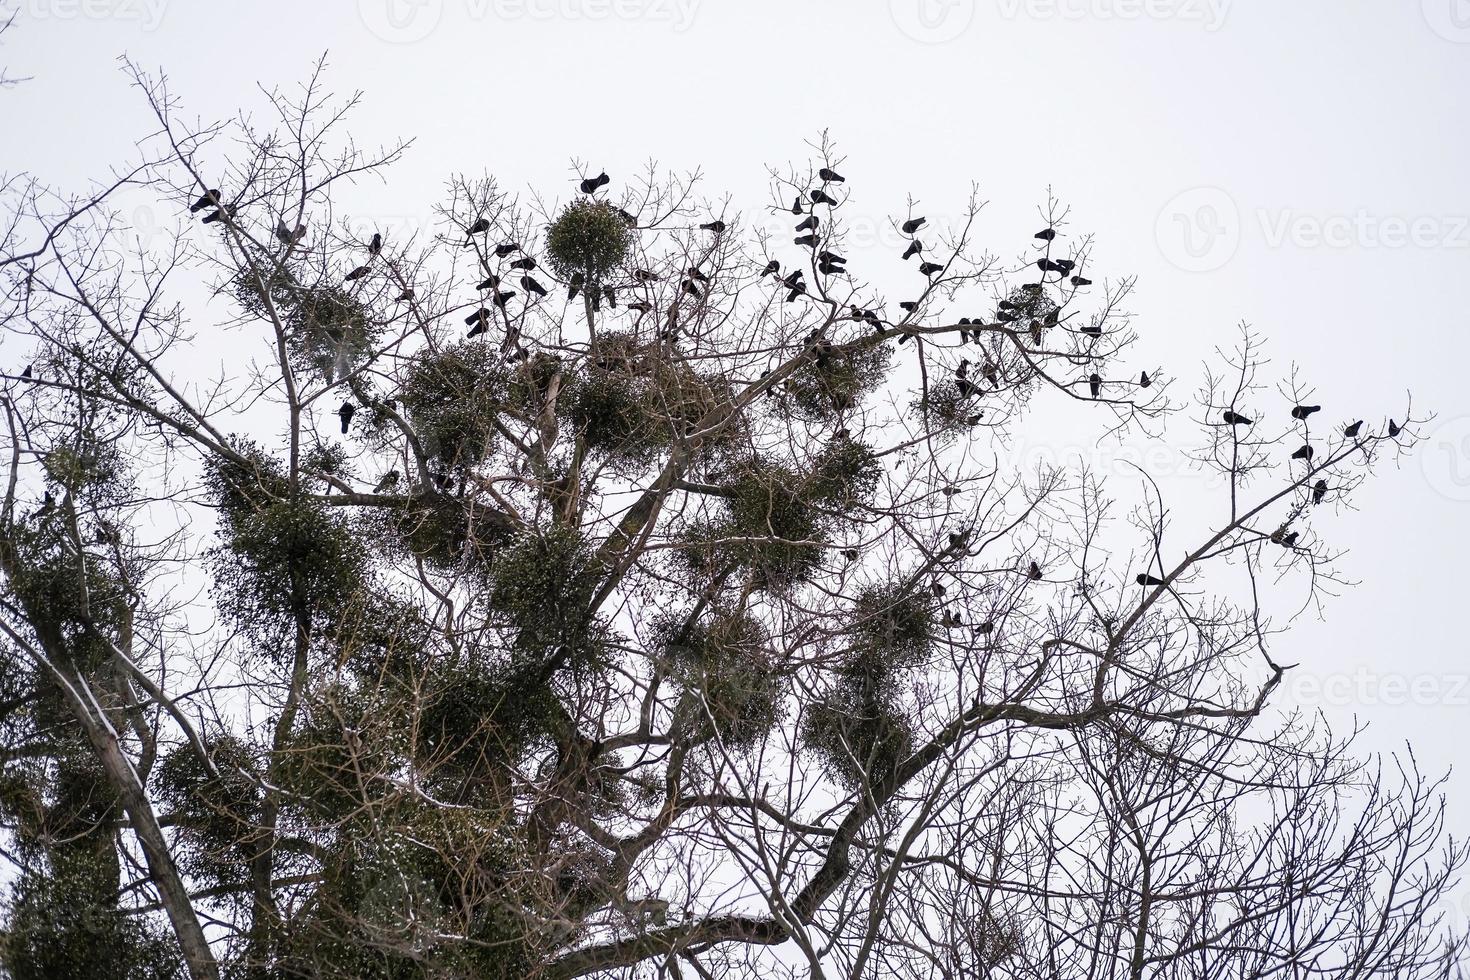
807,241
796,205
501,298
376,245
985,629
810,224
1300,412
532,286
526,264
1149,580
640,306
826,173
1234,418
389,479
1393,429
1046,234
1319,490
1079,281
1064,266
345,413
501,251
831,257
1303,453
912,225
1092,330
717,226
357,273
491,282
478,321
1094,384
219,214
209,199
851,554
690,288
930,268
772,268
697,275
1034,572
908,306
1352,431
915,247
792,279
1144,380
591,184
480,226
822,197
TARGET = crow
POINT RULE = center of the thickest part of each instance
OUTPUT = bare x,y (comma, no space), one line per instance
643,275
592,183
406,296
501,298
526,264
1149,580
829,174
1094,384
389,480
1352,431
641,306
532,286
690,288
1093,330
478,322
357,273
219,214
915,247
930,268
985,628
1034,572
810,224
480,226
1303,453
1393,429
796,205
1319,491
1144,381
773,268
1300,412
501,251
491,282
831,258
376,245
822,197
807,241
209,199
912,225
1234,418
717,226
1046,234
1079,282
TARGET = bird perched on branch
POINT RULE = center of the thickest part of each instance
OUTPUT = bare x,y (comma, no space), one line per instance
1149,580
480,226
717,226
209,199
1094,384
1235,418
1304,453
1301,412
1046,234
590,184
1319,491
912,225
345,413
1034,572
828,174
376,245
358,273
1352,431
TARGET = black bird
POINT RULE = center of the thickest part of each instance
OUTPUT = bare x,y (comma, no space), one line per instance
1079,282
1300,412
773,268
478,321
930,268
358,273
829,269
1144,380
345,413
27,372
851,554
690,288
574,285
209,199
376,245
1031,287
810,224
822,197
1064,266
1092,330
591,184
1046,234
611,295
831,258
1319,491
791,280
915,247
501,298
1149,580
492,282
827,173
1303,453
1234,418
1289,540
1393,429
937,588
965,386
912,225
1034,572
796,205
1047,265
956,538
1094,384
286,236
628,218
480,226
985,628
717,226
1352,431
908,306
796,292
532,286
219,214
643,275
807,241
501,251
526,264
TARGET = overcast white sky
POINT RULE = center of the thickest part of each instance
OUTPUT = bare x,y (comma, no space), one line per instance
1300,165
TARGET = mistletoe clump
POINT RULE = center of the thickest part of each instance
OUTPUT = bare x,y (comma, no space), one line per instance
587,241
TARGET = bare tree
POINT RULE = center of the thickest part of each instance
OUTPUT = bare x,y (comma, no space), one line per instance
625,587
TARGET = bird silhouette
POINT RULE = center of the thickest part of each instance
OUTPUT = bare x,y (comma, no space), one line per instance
526,264
915,247
773,268
908,306
1319,490
1046,234
1094,384
1393,429
1079,282
1352,431
358,273
1064,266
717,226
532,286
643,275
690,288
796,205
851,554
376,245
507,248
822,197
1034,572
640,306
478,321
591,184
1144,380
1300,412
219,214
480,226
827,173
1148,580
1092,330
912,225
1305,453
285,235
832,258
345,413
985,628
1234,418
501,298
209,199
807,241
491,281
930,268
937,588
